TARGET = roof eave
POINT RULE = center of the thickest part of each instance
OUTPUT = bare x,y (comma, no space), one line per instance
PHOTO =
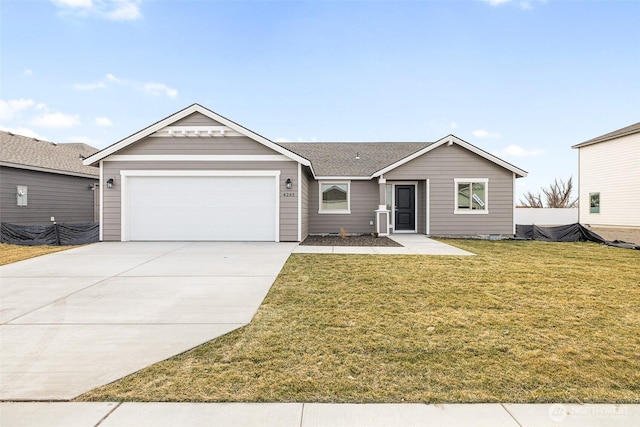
49,170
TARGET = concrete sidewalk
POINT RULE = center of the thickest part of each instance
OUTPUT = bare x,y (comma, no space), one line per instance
109,414
412,244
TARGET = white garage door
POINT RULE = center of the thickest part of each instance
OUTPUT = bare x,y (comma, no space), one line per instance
234,208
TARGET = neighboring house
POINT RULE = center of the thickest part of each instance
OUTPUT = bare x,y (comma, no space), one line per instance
40,180
196,175
609,178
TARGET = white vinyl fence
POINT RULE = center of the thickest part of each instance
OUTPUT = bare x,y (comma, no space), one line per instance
545,216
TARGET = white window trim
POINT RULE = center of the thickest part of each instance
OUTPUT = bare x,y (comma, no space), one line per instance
457,181
334,211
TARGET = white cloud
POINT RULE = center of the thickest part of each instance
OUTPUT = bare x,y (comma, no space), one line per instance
56,120
113,78
496,2
524,4
160,89
103,121
125,11
89,86
513,150
115,10
481,133
28,72
22,131
453,125
8,109
278,140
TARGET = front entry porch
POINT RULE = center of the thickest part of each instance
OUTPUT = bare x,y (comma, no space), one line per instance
403,207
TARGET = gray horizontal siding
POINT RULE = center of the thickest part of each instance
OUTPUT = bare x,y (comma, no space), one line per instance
196,119
365,197
66,198
112,197
441,166
228,145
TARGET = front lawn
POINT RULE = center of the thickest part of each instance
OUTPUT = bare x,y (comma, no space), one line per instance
519,322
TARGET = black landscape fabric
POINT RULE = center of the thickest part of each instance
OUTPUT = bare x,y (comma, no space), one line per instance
52,234
567,233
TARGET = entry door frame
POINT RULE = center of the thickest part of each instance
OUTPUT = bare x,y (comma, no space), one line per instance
415,205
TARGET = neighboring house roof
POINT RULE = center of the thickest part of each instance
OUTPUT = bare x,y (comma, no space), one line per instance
23,152
357,159
628,130
92,160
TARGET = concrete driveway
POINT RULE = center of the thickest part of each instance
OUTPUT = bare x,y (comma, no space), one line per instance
78,319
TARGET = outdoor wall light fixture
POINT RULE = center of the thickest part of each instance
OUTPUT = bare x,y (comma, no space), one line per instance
289,183
110,183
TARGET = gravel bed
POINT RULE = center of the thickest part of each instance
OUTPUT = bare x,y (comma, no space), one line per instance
359,240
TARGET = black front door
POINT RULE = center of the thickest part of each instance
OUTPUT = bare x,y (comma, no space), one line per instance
405,207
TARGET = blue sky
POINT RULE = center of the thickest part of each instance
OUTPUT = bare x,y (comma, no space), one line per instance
524,80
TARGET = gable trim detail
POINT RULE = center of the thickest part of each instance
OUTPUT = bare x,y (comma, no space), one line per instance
150,130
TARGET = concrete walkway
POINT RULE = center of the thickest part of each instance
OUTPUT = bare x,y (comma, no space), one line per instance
75,320
109,414
413,244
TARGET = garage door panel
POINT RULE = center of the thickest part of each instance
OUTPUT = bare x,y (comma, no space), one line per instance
201,208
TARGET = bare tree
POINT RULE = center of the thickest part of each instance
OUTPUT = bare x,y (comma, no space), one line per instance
558,195
532,200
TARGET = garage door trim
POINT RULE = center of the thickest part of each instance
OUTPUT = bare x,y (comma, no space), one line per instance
124,192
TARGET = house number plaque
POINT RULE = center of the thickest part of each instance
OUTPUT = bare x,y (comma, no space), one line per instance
289,194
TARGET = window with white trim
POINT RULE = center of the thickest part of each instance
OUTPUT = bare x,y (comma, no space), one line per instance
594,202
471,195
335,197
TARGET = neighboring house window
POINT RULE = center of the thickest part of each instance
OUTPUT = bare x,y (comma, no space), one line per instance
471,195
335,197
21,195
594,202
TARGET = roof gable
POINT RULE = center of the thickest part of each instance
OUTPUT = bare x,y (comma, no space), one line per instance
165,126
29,153
452,139
628,130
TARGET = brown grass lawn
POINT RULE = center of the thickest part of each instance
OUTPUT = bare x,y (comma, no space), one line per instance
519,322
12,253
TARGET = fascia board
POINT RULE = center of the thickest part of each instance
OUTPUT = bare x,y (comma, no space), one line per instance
48,170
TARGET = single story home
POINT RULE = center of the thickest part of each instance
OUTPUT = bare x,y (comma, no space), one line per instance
609,175
196,175
42,182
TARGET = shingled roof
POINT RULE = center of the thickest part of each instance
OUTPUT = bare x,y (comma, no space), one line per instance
30,153
356,159
628,130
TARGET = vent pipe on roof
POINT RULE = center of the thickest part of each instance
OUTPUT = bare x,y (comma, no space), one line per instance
357,156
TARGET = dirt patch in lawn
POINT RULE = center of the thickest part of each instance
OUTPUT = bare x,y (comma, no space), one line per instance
13,253
360,240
